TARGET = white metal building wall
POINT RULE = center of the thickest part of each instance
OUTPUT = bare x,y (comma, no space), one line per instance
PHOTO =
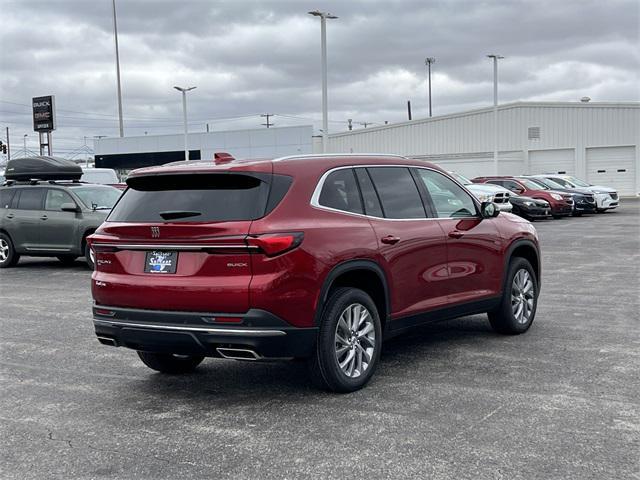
553,160
561,126
254,143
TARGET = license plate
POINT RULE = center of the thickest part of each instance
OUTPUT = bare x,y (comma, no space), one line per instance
161,262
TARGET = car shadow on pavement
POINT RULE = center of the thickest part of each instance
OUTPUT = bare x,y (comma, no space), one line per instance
243,382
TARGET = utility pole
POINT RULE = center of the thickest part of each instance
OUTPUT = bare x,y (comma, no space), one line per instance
115,34
267,115
350,124
8,146
409,109
323,40
364,124
428,61
184,114
495,111
24,142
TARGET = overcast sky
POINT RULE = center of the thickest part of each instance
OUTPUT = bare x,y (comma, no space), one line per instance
250,57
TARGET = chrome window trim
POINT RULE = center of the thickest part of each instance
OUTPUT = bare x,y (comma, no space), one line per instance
223,331
315,197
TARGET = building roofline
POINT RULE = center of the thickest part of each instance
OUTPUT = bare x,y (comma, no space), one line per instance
476,111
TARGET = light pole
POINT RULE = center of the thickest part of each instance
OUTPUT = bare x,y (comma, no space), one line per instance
184,113
24,141
115,35
495,111
428,61
323,40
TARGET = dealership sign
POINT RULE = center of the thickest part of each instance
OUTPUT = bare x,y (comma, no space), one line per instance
44,113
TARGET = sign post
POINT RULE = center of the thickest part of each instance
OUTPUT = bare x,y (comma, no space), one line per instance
44,120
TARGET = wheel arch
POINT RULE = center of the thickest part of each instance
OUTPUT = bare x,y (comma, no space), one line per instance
366,275
528,250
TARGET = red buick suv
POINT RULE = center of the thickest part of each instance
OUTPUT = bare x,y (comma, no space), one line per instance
318,257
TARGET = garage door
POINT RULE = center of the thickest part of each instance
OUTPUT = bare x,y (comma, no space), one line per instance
613,167
552,161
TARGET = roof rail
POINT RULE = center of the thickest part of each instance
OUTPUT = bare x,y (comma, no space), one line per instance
330,155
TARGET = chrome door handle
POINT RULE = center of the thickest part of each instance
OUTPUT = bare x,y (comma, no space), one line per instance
456,234
10,216
43,217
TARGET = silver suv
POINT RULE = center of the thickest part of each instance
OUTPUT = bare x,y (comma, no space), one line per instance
51,219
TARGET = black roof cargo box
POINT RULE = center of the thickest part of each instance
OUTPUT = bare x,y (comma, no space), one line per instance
42,168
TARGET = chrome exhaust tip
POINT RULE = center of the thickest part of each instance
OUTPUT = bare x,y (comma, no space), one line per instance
238,354
108,341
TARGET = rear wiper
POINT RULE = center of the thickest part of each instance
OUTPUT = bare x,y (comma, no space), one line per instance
174,214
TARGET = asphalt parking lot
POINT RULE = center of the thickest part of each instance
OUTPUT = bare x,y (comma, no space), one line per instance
451,400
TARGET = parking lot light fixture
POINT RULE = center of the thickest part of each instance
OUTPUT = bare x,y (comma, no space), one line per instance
184,114
323,40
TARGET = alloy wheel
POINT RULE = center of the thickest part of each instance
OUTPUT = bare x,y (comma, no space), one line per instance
522,296
355,339
4,250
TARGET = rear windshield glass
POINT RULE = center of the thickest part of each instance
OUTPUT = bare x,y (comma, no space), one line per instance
104,177
197,198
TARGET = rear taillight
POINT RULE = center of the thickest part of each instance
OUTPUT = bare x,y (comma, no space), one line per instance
272,244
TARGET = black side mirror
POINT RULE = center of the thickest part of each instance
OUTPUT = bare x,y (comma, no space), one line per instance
69,207
489,210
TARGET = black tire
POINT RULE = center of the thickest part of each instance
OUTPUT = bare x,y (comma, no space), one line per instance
67,259
324,368
87,256
169,363
503,319
8,255
557,217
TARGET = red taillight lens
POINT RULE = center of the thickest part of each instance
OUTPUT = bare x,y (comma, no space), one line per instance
272,244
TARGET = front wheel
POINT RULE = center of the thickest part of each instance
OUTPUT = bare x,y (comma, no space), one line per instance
349,342
169,362
517,308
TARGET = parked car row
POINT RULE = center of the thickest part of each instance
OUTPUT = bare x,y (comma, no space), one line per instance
542,196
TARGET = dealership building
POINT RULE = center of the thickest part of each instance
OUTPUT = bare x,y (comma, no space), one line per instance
599,142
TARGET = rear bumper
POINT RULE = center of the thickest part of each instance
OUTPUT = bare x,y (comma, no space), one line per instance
192,333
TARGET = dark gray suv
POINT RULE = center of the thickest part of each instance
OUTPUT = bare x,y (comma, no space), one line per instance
51,219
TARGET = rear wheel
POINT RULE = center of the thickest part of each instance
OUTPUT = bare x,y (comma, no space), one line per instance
89,256
349,342
169,362
67,259
517,308
8,255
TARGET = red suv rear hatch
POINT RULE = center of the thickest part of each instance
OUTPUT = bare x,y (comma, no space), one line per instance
177,241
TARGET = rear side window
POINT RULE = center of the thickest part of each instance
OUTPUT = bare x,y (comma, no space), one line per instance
31,199
6,195
340,191
398,192
196,198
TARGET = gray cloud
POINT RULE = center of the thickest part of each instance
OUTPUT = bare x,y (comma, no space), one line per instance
251,57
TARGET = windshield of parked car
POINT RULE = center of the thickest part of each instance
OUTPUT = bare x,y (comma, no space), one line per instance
98,197
103,177
564,183
549,183
461,178
578,182
533,184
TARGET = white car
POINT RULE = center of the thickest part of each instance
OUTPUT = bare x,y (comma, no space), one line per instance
486,192
606,197
103,176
